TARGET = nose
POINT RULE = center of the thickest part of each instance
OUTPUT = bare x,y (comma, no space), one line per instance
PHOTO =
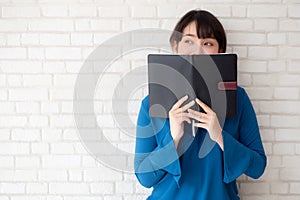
199,49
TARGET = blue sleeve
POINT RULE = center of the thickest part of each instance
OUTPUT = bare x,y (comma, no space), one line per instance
154,159
245,154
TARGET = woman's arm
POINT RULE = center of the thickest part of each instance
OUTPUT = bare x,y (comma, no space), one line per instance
245,154
152,160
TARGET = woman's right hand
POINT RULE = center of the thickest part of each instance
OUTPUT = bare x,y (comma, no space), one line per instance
177,116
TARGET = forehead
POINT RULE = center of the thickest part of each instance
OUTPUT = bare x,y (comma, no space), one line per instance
190,29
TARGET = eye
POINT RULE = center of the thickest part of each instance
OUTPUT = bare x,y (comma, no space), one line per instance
208,44
188,41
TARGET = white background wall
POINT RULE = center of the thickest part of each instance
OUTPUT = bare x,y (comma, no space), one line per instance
43,44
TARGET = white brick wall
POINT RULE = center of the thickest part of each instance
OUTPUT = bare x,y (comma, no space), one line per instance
43,44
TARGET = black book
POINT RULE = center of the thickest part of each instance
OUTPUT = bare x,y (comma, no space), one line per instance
211,78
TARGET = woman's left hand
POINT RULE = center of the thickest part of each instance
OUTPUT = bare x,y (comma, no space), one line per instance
208,121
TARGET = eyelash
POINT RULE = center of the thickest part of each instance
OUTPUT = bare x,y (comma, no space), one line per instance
205,43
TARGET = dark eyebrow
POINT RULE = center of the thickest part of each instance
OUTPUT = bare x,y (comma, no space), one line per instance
189,34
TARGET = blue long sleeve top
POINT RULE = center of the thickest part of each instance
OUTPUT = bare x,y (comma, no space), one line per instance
198,169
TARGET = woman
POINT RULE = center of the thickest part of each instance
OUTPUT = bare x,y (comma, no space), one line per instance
239,149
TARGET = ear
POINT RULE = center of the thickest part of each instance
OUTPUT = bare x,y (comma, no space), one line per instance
175,47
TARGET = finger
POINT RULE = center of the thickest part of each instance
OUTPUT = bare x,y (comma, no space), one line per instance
182,119
201,125
179,102
184,114
187,106
199,116
203,105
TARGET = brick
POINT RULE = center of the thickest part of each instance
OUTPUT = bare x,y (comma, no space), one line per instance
14,80
143,11
28,94
124,187
263,80
276,38
54,67
75,175
102,188
239,11
83,11
38,121
7,108
30,135
102,174
26,67
260,93
63,53
267,134
36,188
30,39
252,66
52,175
62,148
64,80
27,107
51,135
246,38
41,80
55,11
114,11
50,107
57,25
266,11
287,93
289,52
293,11
294,188
105,25
289,25
263,120
263,52
60,161
13,121
54,39
287,135
255,188
285,121
82,39
27,162
13,148
82,24
21,12
265,24
290,174
12,53
237,25
39,148
36,53
283,149
18,175
7,162
279,107
218,10
13,39
12,188
291,161
276,66
62,121
279,188
68,188
289,80
5,134
14,25
293,39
